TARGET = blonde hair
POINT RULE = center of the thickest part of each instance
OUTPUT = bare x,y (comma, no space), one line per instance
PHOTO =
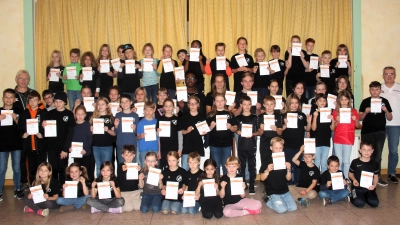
149,154
194,155
51,64
162,90
341,94
214,107
288,100
37,180
151,47
144,92
101,48
258,50
151,105
96,113
277,140
232,160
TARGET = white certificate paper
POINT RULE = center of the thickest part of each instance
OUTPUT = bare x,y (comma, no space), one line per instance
296,49
71,191
323,115
314,62
263,67
88,103
278,102
32,126
306,109
324,71
253,96
104,66
8,121
189,199
150,132
50,130
241,60
53,75
116,63
291,120
269,120
71,72
126,123
230,97
98,125
274,65
114,107
342,61
194,54
130,67
309,145
376,105
87,73
104,190
247,130
221,121
181,93
179,73
278,159
345,115
168,65
140,109
165,127
202,127
337,181
148,65
76,148
132,171
237,186
209,189
153,176
221,62
37,194
366,179
332,101
172,190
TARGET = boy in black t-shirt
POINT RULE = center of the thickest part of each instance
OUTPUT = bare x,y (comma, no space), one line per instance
190,180
374,122
364,173
331,80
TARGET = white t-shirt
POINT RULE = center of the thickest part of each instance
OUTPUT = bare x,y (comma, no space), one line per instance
393,96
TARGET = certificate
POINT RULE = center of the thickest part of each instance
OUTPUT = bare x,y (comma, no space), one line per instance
314,62
88,103
104,190
194,54
150,133
278,159
309,145
263,67
165,127
181,93
274,65
221,62
337,181
376,105
332,101
345,115
237,186
179,73
71,72
323,115
230,97
53,75
324,71
98,125
140,109
37,194
50,130
241,60
291,120
188,199
172,190
253,96
32,126
71,191
87,73
209,188
366,179
148,65
153,176
167,65
296,49
221,121
76,148
126,123
8,121
247,130
114,107
116,63
202,127
278,100
269,120
306,109
132,171
130,67
104,66
342,61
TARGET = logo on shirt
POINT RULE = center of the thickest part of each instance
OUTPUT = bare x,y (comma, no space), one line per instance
65,118
247,60
174,122
282,63
179,178
359,165
228,116
333,71
300,117
106,120
48,190
311,173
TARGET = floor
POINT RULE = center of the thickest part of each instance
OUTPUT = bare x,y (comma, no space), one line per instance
11,212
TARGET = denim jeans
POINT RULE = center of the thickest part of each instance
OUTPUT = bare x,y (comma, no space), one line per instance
220,154
184,161
151,201
102,154
191,210
262,92
343,152
321,157
282,203
72,97
15,162
132,95
393,134
289,154
76,202
171,93
378,140
151,91
335,195
309,90
142,157
169,205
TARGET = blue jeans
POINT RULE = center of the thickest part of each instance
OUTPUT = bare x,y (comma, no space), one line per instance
152,91
184,161
282,203
289,154
151,201
321,157
393,134
76,202
171,93
72,97
335,195
175,206
191,210
309,90
262,92
102,154
15,162
132,95
343,152
220,154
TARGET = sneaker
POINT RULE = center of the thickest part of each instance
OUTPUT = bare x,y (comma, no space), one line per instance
251,190
347,199
326,201
252,211
115,210
305,202
19,194
43,212
348,181
94,210
382,182
1,198
24,186
393,179
28,210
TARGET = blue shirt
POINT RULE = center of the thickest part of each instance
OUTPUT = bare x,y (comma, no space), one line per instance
126,138
150,78
147,145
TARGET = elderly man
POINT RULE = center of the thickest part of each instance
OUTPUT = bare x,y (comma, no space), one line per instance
391,91
22,79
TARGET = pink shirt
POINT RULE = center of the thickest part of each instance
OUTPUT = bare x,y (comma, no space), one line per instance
344,132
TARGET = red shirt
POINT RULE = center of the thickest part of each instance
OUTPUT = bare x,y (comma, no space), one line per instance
344,132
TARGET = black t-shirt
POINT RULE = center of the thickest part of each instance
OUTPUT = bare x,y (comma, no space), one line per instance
229,198
209,100
322,134
202,108
10,138
238,75
65,123
159,111
167,80
170,143
244,143
374,122
106,81
191,179
129,82
80,188
294,137
176,176
195,68
325,177
192,141
297,70
280,75
303,99
307,175
357,166
126,185
238,98
329,81
94,83
269,134
213,66
104,139
276,182
310,77
260,81
340,71
59,85
98,180
54,188
221,138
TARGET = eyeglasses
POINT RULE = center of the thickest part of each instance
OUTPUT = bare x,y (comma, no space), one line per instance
190,78
389,74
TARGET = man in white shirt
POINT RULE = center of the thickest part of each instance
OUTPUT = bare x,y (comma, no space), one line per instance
391,91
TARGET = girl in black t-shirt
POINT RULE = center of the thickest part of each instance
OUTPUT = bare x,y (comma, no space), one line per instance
342,50
343,84
298,89
167,79
240,70
197,68
211,67
106,79
87,61
55,63
297,65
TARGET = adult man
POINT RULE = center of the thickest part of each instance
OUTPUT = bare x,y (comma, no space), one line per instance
22,79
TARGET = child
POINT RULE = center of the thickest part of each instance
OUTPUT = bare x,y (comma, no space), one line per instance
48,97
343,137
192,177
124,138
192,90
320,88
197,68
170,143
173,173
342,50
162,94
240,70
55,63
114,94
260,81
72,84
10,142
75,172
298,89
236,205
276,182
106,79
167,80
343,84
374,123
274,89
147,145
85,92
151,197
140,96
120,52
218,87
220,138
87,60
310,73
362,195
309,177
50,188
211,66
247,83
279,76
150,78
129,82
329,81
103,143
328,195
181,54
113,204
211,205
297,65
129,188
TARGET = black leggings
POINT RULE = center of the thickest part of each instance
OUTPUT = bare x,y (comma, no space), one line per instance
362,196
211,206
